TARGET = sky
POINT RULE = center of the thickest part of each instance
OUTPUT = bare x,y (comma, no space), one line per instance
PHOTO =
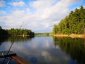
36,15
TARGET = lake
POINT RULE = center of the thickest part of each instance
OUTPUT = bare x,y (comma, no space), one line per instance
48,50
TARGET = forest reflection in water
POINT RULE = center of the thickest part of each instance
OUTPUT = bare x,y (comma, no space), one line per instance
47,50
75,47
14,39
9,42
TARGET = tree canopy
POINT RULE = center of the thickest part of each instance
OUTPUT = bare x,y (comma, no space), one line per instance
3,33
16,32
73,23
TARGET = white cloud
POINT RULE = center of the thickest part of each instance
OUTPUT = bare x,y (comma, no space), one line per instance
20,3
40,4
42,15
2,3
2,12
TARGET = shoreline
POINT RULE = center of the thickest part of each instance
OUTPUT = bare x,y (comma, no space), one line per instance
70,35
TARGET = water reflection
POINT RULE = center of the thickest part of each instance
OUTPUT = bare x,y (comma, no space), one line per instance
2,39
74,47
6,43
19,39
48,50
39,50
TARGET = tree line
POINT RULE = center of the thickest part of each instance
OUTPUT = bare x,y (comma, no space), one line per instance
16,32
73,23
3,33
42,34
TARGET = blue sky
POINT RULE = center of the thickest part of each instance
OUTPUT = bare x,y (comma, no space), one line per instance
37,15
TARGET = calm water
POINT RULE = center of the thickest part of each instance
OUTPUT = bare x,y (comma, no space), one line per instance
48,50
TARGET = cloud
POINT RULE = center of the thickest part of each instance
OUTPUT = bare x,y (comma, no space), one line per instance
2,12
39,16
2,3
20,3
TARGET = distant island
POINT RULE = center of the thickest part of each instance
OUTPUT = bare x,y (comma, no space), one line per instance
15,32
42,34
72,25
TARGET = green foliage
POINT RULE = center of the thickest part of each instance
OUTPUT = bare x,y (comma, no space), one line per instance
73,23
42,34
0,27
16,32
20,32
3,33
